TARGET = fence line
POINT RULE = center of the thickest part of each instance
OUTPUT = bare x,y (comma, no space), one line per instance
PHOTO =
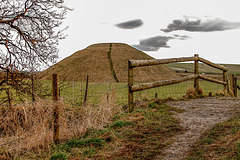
94,91
73,90
196,76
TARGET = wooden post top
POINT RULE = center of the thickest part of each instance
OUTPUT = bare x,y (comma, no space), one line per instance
196,55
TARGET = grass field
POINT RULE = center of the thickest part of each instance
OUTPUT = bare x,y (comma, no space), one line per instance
74,92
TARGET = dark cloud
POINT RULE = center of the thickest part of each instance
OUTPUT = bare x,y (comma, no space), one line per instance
130,24
198,25
153,43
158,41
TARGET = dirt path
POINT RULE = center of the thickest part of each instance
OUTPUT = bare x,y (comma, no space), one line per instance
199,115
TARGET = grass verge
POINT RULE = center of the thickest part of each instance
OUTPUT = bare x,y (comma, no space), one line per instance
221,142
141,134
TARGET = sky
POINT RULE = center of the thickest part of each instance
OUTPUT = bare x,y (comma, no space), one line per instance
160,28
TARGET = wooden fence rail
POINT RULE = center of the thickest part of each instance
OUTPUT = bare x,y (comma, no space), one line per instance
141,63
145,86
196,76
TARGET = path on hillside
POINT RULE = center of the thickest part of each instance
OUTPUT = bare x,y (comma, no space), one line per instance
199,116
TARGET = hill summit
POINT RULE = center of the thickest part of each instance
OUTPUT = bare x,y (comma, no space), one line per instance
107,62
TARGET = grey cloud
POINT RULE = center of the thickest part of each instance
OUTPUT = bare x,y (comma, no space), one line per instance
66,7
130,24
153,43
198,25
158,41
145,48
181,37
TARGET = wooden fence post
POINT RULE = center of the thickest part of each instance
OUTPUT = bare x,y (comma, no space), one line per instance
225,87
156,96
86,92
56,108
33,88
130,83
235,87
231,84
196,72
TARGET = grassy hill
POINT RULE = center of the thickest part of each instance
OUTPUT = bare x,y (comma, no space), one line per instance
107,62
203,68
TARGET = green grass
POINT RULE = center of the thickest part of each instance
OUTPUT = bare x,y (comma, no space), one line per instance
75,92
95,142
15,96
221,142
87,147
59,156
120,124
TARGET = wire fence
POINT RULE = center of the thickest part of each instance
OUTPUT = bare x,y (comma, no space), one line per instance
74,91
180,90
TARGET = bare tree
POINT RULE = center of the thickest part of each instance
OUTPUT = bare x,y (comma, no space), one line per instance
29,35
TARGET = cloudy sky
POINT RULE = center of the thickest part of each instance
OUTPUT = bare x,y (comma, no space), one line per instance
162,29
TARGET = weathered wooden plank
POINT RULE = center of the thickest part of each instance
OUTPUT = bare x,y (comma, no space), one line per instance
144,86
139,63
212,79
221,67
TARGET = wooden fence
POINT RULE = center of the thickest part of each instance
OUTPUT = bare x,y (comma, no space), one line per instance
55,95
196,76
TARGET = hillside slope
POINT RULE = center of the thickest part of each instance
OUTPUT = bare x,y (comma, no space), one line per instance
107,62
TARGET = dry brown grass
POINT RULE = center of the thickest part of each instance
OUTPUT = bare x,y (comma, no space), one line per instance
26,129
191,93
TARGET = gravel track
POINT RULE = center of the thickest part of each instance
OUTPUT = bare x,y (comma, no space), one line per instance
199,116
